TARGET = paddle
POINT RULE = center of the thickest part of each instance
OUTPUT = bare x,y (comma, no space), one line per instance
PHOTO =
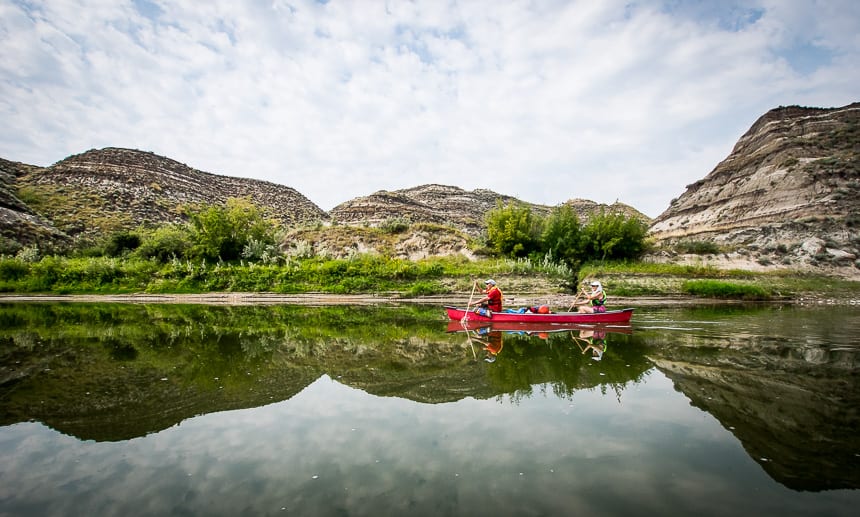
576,302
466,314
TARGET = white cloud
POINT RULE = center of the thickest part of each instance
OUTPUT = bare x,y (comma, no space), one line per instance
544,101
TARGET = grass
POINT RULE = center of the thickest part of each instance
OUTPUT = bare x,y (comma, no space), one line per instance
373,273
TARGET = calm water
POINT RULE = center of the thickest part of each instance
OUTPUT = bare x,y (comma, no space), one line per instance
112,409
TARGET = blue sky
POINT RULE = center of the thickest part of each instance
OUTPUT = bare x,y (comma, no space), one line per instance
542,100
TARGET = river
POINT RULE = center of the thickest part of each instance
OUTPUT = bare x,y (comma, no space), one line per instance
183,409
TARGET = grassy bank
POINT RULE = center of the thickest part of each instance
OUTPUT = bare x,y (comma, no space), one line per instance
376,274
356,275
650,279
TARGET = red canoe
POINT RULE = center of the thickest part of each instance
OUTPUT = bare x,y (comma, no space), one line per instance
533,327
619,316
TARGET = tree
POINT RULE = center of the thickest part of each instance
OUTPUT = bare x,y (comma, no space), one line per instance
221,232
165,242
512,230
613,236
561,235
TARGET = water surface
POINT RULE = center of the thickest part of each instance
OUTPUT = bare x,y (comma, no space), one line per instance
113,409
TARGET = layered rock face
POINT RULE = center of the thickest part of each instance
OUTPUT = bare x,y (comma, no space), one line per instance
92,194
791,183
19,225
134,187
439,204
451,206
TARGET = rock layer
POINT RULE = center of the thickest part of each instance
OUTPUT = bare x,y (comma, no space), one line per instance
793,176
130,187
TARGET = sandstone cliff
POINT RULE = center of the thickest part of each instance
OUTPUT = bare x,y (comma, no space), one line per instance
787,196
787,193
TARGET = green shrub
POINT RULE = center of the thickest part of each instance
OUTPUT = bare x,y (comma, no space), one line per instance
29,254
424,289
165,243
121,242
612,236
222,232
512,230
13,269
395,225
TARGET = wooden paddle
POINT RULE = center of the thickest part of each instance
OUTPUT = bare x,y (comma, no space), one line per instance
575,300
466,313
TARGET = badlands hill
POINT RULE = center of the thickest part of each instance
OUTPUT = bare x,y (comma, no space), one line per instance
100,191
92,194
451,206
787,194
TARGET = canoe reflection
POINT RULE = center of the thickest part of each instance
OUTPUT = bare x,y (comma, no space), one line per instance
535,328
488,336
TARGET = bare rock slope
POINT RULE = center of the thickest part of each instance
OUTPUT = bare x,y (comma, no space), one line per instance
451,206
788,192
19,224
112,188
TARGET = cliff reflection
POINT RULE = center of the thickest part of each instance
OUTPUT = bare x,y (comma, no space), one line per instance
110,372
783,384
784,381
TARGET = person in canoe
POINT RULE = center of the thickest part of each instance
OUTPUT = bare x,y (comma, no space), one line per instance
492,301
595,301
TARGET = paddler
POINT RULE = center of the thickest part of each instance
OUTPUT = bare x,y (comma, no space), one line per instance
490,303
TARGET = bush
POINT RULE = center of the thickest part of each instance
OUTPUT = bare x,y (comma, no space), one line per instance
513,231
29,254
424,289
12,269
120,242
561,236
395,225
612,236
165,243
222,232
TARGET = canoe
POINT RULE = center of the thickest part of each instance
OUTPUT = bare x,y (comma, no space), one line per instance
617,316
532,327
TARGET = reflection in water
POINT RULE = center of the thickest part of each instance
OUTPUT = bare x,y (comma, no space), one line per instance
329,410
783,380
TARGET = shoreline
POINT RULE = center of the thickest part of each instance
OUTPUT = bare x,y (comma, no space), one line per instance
526,299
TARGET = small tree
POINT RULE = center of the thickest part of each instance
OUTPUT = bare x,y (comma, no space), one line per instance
512,230
120,242
562,234
222,232
612,236
165,242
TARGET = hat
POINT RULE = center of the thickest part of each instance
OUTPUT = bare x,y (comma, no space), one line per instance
595,283
490,281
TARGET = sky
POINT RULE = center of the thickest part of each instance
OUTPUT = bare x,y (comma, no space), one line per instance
545,101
